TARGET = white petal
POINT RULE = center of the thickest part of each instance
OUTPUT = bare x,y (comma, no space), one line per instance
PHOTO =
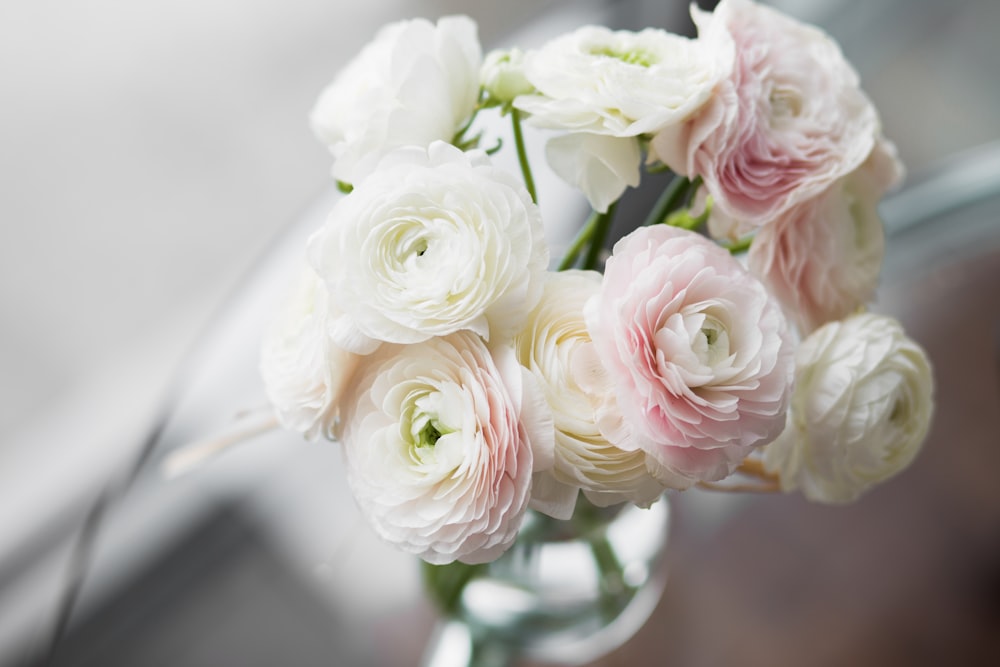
601,166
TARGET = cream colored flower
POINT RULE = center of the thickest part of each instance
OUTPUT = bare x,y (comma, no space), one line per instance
415,83
607,88
619,83
304,372
434,241
554,335
860,410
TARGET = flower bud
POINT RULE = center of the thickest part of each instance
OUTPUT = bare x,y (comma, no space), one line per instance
502,75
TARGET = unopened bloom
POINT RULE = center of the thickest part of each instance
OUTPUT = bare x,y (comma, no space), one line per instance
584,459
434,241
822,257
415,83
696,351
860,411
502,75
304,372
789,121
441,440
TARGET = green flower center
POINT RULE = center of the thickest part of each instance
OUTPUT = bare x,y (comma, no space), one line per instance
712,346
639,57
428,435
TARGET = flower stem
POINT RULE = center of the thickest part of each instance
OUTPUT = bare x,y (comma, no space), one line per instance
183,460
445,583
601,228
764,487
522,154
755,468
591,524
669,200
614,590
582,238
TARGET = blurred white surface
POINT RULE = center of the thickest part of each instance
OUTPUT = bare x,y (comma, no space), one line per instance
150,152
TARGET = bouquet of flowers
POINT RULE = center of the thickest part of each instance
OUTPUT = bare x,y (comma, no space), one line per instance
468,376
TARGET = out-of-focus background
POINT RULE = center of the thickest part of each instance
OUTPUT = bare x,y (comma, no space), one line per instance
152,150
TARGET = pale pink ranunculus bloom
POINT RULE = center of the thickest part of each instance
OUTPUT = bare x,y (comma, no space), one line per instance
822,258
862,406
304,371
789,121
695,351
441,439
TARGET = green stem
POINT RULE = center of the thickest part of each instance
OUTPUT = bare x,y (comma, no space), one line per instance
601,229
459,139
522,154
487,653
592,525
582,238
445,583
613,586
669,200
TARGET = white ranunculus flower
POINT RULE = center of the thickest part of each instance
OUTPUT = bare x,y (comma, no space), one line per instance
434,241
606,89
619,83
441,440
304,372
502,75
415,83
547,346
860,409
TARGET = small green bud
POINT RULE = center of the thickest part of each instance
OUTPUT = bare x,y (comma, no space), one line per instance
502,76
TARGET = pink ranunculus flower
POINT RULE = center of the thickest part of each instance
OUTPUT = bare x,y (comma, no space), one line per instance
696,352
441,440
789,121
822,258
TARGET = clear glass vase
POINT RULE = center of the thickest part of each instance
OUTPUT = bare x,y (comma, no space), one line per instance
567,592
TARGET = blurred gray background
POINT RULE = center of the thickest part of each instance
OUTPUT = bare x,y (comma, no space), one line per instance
151,150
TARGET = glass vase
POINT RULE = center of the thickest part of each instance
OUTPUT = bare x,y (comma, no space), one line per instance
567,592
